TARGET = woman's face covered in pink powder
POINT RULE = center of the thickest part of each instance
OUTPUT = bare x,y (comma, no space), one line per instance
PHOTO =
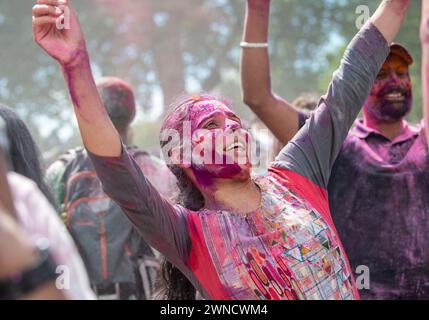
220,146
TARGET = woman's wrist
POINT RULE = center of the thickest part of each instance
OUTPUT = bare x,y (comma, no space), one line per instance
16,253
79,61
18,260
260,7
259,4
31,278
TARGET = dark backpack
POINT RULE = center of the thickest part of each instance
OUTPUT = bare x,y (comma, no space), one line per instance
110,247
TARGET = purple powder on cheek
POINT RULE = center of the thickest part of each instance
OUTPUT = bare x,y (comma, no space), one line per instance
229,171
204,178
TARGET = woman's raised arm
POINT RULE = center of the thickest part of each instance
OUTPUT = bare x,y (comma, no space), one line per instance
313,151
57,30
162,224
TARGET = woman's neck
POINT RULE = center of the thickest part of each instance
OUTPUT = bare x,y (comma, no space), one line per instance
241,196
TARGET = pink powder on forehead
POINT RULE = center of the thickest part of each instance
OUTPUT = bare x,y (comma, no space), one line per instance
204,108
184,110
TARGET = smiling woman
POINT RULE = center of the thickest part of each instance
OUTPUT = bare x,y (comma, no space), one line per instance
214,139
233,236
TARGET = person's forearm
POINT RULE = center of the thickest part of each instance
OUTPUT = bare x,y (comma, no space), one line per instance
98,133
20,259
23,257
313,152
67,46
255,64
424,37
389,17
46,292
163,225
277,114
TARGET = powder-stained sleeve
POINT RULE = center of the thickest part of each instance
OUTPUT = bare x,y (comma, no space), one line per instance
163,225
54,178
314,149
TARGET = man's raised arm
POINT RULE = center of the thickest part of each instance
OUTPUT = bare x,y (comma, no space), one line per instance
424,37
389,17
313,151
67,46
277,114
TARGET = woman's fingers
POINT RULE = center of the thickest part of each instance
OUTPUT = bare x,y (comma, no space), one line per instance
53,2
47,11
49,7
44,20
40,10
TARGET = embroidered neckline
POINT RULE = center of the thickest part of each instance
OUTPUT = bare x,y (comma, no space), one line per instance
261,184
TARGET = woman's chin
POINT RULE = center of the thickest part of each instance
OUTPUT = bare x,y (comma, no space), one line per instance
237,171
231,171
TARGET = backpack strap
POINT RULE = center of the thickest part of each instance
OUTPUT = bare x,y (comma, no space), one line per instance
71,156
69,160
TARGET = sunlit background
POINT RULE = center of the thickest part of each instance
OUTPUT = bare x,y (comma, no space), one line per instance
166,47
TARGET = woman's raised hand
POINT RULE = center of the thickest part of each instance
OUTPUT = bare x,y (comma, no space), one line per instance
57,30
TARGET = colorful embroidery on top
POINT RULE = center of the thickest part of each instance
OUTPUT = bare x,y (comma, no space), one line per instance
284,250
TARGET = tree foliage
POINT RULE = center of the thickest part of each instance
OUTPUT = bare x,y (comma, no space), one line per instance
166,47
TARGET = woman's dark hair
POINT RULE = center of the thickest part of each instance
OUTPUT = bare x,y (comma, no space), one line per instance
173,284
23,152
